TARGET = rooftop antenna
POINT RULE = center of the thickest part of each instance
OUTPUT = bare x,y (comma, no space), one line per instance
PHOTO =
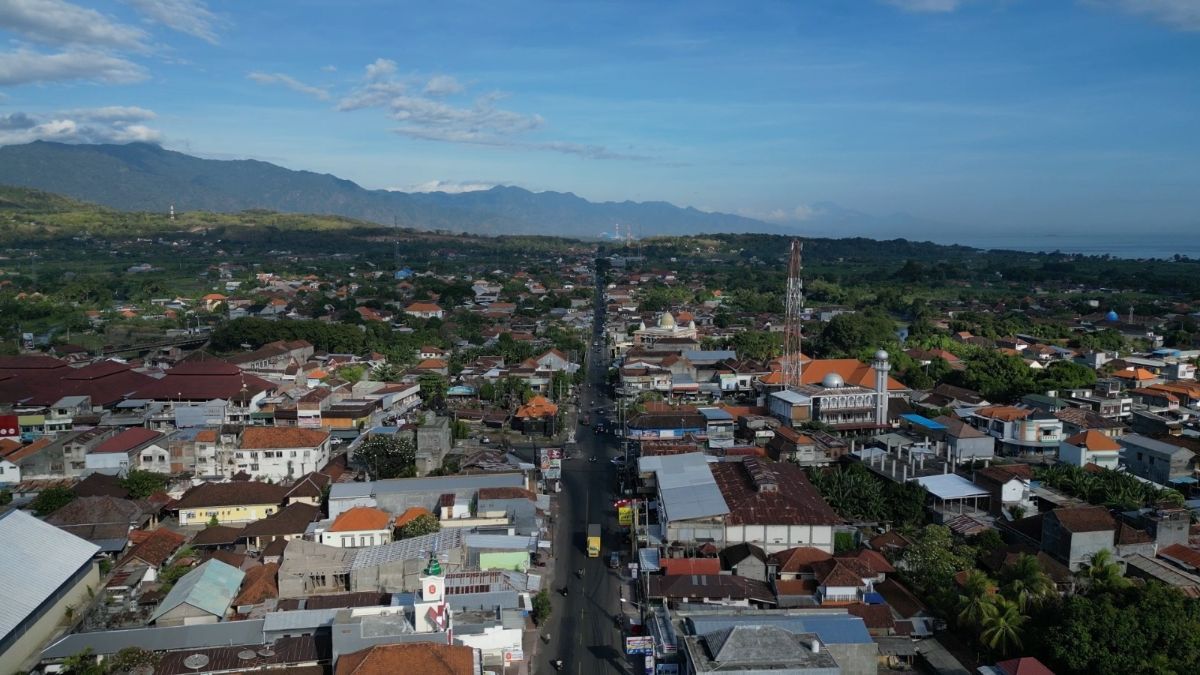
792,327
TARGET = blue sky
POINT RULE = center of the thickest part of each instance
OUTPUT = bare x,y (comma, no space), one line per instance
976,115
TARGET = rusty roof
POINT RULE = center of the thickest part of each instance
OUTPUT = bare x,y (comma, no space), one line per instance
762,492
1084,519
425,658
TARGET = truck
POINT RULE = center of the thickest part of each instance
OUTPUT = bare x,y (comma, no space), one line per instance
593,540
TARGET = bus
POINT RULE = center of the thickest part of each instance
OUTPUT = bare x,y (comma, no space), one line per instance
593,540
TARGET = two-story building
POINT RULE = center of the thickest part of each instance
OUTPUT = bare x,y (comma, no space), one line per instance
278,453
1158,461
1090,447
1019,430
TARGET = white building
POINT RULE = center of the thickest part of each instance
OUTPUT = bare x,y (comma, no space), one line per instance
277,453
1090,447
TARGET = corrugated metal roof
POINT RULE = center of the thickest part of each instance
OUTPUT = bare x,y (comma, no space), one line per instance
300,619
211,587
686,486
951,486
31,545
164,638
408,549
831,628
502,541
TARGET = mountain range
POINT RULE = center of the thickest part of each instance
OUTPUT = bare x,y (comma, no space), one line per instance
146,177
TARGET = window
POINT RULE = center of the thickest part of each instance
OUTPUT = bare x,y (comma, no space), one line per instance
347,542
362,540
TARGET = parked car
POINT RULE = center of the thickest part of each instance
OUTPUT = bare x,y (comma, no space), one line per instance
614,560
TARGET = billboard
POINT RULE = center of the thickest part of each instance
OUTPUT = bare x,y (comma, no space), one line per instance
625,515
10,426
639,644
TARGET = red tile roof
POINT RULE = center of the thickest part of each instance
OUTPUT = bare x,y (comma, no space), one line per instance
126,441
259,584
156,547
1094,440
1026,665
797,560
1190,557
425,658
676,566
204,379
230,494
282,437
410,514
361,518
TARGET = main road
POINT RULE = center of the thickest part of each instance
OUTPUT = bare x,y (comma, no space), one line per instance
583,630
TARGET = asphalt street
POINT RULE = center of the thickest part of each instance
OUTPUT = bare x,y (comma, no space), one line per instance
583,629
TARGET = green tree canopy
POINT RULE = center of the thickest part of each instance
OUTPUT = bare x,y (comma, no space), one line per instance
421,525
141,483
388,456
51,499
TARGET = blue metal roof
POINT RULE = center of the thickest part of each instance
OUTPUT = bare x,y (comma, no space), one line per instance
210,587
923,421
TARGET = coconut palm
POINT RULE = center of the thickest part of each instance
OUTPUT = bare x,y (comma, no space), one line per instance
1002,627
1103,573
1026,583
975,601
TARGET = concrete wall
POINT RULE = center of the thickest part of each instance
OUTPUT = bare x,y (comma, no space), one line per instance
856,659
775,538
25,650
186,615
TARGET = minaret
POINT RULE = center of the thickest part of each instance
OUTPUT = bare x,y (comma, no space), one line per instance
172,212
431,613
882,367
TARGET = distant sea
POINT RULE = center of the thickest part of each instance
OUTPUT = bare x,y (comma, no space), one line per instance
1167,246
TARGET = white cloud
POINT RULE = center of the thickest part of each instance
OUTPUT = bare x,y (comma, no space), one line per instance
291,83
450,187
192,17
443,85
329,69
381,69
795,214
926,5
113,113
1179,14
24,66
427,116
95,125
62,23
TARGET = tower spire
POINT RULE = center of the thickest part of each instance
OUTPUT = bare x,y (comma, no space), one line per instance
791,327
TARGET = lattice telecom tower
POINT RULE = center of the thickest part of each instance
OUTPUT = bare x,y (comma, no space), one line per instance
791,326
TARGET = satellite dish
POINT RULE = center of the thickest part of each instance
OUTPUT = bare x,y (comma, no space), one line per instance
246,654
266,652
196,661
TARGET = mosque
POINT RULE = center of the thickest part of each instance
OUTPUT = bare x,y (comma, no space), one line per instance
666,328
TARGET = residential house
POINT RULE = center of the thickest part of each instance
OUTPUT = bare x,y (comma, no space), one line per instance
358,527
1090,447
1073,535
104,521
235,502
745,560
425,310
280,453
1008,486
1019,430
290,522
722,589
1158,461
134,448
203,595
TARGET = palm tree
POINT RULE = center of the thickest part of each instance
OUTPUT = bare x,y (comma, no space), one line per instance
975,601
1026,583
1103,573
1002,627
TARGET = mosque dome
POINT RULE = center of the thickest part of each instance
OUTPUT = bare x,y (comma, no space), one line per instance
666,320
833,381
881,355
1112,315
